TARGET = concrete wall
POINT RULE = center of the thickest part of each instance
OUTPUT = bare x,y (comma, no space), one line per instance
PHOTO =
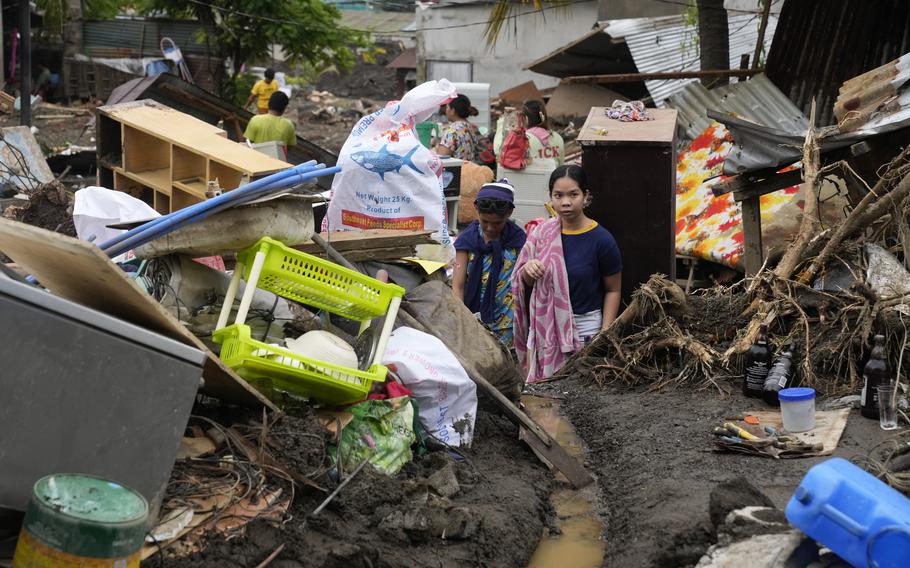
621,9
537,35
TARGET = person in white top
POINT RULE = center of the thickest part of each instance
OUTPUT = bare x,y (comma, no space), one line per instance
543,143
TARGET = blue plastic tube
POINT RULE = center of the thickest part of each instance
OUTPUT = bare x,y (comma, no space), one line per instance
188,216
227,196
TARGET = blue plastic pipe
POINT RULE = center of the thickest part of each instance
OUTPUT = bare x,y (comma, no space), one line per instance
229,196
187,216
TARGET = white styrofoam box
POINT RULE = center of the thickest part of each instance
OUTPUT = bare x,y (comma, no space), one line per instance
479,93
532,189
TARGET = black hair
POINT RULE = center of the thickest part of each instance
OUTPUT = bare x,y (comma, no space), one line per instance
278,102
462,107
570,171
269,73
536,113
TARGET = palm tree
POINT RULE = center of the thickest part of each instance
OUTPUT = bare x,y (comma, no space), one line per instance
714,42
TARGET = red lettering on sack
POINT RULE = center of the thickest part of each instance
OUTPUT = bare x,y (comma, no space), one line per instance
361,221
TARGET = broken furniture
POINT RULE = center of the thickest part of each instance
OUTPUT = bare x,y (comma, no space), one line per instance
310,280
631,168
176,93
84,391
167,158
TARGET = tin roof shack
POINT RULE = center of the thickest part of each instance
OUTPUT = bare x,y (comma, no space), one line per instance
632,171
818,45
450,42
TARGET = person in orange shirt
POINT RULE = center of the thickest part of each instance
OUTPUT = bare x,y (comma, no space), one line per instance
263,89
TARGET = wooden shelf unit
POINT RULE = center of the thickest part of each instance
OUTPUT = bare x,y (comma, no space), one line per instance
166,158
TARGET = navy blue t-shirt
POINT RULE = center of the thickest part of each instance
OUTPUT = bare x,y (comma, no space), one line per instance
590,255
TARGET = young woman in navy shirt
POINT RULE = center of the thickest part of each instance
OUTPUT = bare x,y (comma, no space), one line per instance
590,256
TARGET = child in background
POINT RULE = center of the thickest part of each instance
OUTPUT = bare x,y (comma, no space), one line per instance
262,92
486,252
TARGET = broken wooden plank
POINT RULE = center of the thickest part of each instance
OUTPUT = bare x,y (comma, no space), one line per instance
345,241
536,437
752,242
79,271
757,183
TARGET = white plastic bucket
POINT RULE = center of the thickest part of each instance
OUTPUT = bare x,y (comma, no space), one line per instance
797,407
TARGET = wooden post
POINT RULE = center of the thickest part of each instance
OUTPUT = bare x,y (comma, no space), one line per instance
25,63
760,42
752,244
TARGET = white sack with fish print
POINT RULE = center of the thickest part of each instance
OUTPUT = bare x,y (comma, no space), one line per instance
388,179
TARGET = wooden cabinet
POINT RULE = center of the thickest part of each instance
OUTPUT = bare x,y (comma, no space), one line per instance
166,158
631,167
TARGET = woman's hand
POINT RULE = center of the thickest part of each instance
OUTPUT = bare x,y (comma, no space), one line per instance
533,271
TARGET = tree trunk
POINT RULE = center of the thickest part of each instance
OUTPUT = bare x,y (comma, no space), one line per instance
72,40
713,39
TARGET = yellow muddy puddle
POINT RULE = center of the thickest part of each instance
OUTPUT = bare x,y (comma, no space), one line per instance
580,545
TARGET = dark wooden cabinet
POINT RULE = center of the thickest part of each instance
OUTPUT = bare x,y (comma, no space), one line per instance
631,167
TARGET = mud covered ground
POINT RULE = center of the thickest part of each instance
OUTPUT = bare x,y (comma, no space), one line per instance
496,518
651,452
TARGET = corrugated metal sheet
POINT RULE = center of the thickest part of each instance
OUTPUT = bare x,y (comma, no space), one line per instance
378,23
757,100
873,94
128,35
669,44
820,44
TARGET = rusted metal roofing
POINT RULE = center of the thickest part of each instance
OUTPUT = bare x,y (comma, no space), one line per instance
819,45
757,100
873,95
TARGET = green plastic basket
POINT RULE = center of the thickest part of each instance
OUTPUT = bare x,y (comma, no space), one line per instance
316,282
275,370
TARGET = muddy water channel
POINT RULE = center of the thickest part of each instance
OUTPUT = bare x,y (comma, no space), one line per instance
579,542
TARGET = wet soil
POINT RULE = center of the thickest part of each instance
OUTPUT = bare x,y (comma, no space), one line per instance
496,518
651,453
50,206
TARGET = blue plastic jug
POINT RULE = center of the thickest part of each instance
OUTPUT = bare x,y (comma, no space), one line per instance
860,518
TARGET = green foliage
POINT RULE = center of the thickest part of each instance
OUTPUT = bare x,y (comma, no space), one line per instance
506,10
54,14
103,9
308,31
239,88
690,23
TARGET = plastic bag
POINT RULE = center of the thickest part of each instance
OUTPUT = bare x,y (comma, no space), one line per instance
388,179
97,207
445,394
383,431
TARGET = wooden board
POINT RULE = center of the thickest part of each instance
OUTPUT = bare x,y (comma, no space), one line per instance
659,131
344,241
192,134
829,427
80,272
520,93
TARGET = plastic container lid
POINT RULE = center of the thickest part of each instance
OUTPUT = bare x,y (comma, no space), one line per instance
796,394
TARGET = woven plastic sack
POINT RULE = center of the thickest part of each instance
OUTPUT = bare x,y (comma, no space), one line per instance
434,302
388,179
445,394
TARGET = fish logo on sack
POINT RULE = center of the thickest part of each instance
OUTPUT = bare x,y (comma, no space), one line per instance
383,161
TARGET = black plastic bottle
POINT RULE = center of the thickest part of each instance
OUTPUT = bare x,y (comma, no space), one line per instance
758,363
780,376
875,373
